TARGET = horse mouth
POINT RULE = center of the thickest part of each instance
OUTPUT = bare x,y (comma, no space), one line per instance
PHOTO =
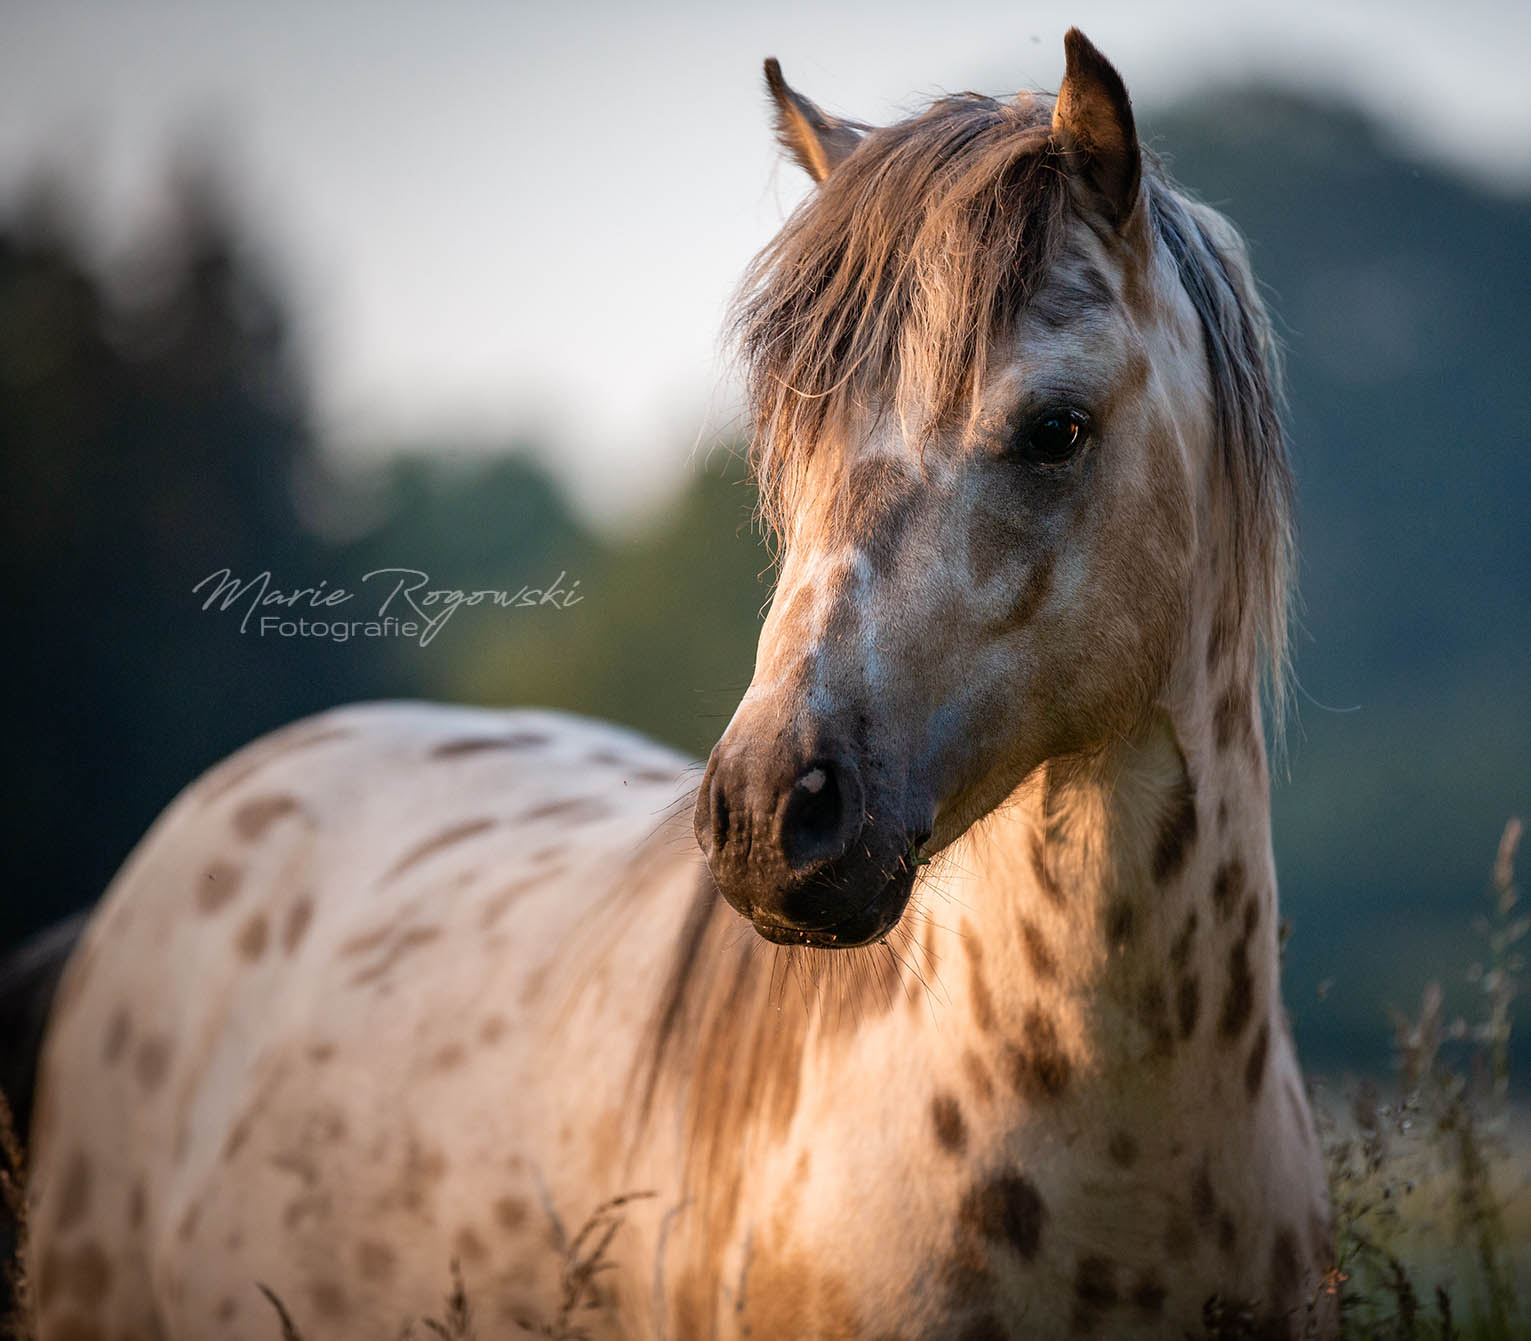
869,923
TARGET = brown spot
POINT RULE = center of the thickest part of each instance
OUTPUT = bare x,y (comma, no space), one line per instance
84,1276
321,1053
1286,1268
951,1128
1154,1016
251,942
985,1327
1227,887
118,1032
445,839
329,1299
226,1309
1038,953
152,1062
253,818
219,884
510,1213
1148,1296
468,1245
572,809
1122,1149
402,945
449,1057
1203,1199
376,1260
1051,889
1180,951
368,940
978,987
1121,916
1254,1069
516,740
1006,1209
492,1030
238,1135
978,1075
496,907
1040,1067
296,924
1188,1004
1238,1000
1177,831
1231,717
72,1326
1251,916
1094,1290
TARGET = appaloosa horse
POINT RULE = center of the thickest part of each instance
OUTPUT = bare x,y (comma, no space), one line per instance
996,1048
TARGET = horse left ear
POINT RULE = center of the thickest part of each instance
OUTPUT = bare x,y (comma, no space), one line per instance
819,142
1093,125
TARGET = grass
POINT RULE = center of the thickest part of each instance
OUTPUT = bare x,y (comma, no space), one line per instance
1432,1209
13,1197
1425,1184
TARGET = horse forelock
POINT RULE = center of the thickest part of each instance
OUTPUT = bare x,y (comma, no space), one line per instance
888,286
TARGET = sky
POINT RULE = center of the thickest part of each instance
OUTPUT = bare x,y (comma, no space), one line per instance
498,219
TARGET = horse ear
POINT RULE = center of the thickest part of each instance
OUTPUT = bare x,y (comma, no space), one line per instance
819,142
1093,125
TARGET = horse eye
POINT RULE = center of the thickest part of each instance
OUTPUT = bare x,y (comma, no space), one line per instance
1052,438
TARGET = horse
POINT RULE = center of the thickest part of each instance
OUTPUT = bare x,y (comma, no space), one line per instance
945,1004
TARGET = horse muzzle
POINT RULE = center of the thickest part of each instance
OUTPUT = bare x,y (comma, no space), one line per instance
791,846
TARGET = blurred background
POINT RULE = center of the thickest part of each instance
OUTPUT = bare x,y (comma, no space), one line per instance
318,289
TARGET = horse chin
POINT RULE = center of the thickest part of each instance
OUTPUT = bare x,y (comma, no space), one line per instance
868,924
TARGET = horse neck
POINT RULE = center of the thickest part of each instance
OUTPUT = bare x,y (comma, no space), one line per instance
1117,917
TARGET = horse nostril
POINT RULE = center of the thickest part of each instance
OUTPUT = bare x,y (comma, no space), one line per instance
816,821
711,818
719,815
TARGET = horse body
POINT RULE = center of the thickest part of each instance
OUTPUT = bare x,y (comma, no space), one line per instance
296,1093
403,985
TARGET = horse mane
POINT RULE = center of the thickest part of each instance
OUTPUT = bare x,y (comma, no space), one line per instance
889,286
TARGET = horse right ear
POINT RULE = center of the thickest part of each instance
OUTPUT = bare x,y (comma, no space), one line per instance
819,142
1093,125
